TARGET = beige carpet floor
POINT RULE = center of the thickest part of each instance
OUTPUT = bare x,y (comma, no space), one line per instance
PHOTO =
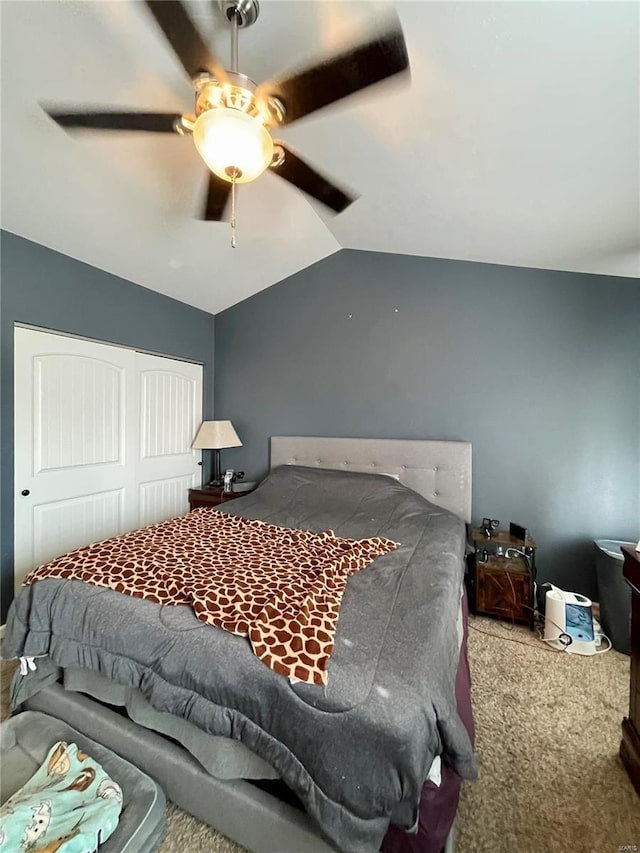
548,733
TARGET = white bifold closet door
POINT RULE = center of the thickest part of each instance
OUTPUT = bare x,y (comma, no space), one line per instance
102,442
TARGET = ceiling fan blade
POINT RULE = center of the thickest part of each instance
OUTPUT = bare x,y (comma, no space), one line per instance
310,89
184,38
116,120
305,178
218,194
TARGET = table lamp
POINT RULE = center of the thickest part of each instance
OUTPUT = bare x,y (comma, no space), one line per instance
215,435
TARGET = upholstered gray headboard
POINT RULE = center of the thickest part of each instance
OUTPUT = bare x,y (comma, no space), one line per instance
438,470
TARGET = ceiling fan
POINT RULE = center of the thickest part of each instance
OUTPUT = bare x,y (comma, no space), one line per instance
234,118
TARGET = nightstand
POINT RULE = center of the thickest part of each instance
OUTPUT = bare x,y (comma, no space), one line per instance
501,585
212,496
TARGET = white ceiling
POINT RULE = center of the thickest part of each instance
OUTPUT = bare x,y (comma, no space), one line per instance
515,142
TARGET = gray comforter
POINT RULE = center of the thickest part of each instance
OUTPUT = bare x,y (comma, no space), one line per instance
356,752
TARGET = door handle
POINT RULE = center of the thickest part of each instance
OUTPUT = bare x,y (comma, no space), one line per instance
25,492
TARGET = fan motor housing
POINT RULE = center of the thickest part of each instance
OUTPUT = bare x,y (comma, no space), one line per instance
239,94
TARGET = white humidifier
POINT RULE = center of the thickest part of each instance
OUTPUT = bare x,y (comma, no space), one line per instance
568,622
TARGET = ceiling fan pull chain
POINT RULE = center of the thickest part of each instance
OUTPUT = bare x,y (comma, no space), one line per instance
233,214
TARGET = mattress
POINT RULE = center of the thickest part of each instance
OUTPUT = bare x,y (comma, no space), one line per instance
357,752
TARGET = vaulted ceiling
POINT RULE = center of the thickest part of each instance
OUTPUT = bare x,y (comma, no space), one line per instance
514,142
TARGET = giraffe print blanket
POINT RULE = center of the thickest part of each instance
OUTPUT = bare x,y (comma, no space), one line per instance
280,586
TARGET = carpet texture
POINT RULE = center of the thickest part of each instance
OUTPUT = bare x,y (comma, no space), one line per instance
548,734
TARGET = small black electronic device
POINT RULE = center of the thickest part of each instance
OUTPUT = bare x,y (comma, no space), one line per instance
489,525
518,532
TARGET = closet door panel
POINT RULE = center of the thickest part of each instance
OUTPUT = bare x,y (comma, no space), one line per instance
64,525
78,415
170,414
74,460
163,499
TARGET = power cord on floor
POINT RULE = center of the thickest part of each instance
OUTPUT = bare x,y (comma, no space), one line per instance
533,645
508,639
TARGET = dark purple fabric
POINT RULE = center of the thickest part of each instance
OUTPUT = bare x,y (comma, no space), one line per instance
438,805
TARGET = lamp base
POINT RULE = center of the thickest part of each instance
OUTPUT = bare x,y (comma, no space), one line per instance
216,479
214,484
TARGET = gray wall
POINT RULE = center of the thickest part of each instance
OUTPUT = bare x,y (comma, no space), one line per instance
44,288
540,370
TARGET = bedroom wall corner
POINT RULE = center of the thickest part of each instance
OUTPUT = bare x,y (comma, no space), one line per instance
43,288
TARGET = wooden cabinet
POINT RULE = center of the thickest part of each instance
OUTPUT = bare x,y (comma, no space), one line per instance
501,580
212,496
630,746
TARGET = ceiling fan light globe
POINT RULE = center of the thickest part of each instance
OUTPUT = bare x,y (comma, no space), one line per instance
234,145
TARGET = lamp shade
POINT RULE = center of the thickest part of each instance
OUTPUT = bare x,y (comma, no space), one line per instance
213,435
233,144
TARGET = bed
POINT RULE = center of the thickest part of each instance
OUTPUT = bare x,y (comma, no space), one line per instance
355,753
